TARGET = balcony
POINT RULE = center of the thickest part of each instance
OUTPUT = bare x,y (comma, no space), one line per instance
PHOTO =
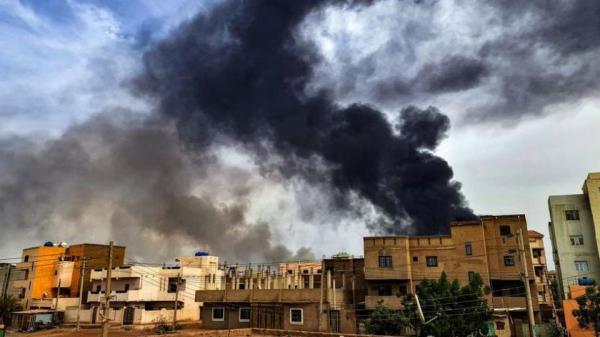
267,296
23,265
390,302
509,302
132,296
43,303
21,284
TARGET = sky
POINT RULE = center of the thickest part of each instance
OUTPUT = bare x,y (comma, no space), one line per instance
520,91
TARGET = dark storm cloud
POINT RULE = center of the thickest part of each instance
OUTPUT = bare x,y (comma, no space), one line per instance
500,61
133,174
242,70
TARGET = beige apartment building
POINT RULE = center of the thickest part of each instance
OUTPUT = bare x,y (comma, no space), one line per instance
488,247
142,294
575,235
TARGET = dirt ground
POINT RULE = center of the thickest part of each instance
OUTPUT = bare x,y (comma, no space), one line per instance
64,332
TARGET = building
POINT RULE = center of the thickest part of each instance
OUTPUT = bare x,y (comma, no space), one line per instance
50,274
8,274
274,298
143,294
488,247
540,270
573,222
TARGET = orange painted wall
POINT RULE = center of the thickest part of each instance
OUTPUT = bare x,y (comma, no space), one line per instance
44,261
570,320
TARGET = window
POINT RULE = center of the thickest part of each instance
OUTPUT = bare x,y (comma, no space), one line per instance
471,276
576,240
536,252
581,265
509,260
403,289
385,262
432,261
244,315
505,230
26,258
172,286
415,259
296,316
218,314
499,325
572,214
468,248
384,291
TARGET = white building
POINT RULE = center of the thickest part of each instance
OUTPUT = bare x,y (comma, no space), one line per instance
142,294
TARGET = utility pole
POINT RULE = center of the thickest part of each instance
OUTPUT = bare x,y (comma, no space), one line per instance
59,272
105,319
80,292
525,278
176,303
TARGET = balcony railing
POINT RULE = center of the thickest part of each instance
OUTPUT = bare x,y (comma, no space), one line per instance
390,302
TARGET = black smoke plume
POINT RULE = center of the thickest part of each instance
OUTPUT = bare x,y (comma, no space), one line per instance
242,70
130,176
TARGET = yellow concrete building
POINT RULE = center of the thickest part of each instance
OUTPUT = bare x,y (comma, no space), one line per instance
540,267
488,247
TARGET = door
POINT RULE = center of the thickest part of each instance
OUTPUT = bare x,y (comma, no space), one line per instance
334,321
94,315
128,316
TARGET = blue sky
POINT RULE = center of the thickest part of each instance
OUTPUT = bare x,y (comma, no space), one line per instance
64,60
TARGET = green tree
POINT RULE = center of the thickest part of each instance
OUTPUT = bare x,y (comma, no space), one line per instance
589,309
7,306
453,310
384,321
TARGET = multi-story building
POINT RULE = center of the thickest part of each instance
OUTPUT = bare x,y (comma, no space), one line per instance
574,221
540,270
9,274
51,273
265,297
540,267
396,264
142,294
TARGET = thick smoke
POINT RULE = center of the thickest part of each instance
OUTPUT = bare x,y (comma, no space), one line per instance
490,61
242,71
131,173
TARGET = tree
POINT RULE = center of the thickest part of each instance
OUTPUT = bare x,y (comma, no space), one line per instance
7,306
453,310
384,321
589,309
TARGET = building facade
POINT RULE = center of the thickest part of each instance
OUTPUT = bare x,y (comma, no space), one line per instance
8,274
540,270
575,235
488,247
50,274
275,300
142,294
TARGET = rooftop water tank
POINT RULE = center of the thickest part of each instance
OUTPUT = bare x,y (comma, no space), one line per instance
49,244
201,253
584,281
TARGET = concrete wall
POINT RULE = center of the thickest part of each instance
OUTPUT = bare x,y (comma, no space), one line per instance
566,254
